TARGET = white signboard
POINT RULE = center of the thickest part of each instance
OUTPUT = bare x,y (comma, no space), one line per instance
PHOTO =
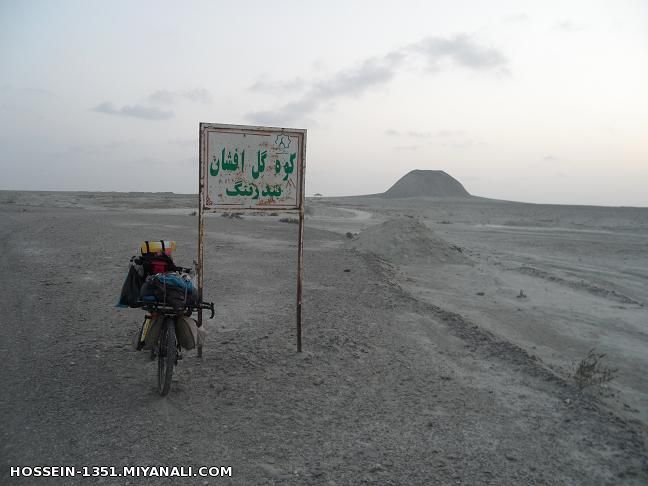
244,167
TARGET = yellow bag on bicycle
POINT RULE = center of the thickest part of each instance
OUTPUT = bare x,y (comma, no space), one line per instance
156,247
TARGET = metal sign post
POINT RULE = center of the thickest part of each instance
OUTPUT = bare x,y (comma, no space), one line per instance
201,227
300,275
248,168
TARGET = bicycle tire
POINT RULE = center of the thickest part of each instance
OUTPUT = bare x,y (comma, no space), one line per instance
167,354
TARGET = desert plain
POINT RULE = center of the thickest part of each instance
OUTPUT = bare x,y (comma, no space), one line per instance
441,337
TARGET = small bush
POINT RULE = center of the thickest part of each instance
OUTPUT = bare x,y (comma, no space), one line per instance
591,371
349,235
289,220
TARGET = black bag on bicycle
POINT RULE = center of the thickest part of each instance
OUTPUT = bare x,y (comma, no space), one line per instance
169,289
130,292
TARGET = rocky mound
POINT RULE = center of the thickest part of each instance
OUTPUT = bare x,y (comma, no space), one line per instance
426,183
406,240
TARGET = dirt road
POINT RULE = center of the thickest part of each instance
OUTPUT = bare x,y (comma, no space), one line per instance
389,390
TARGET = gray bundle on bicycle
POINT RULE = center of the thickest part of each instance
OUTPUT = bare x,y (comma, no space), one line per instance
169,289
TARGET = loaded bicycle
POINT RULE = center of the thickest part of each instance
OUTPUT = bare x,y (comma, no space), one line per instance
166,292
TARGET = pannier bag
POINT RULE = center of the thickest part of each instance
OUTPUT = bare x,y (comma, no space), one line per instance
153,332
169,288
186,332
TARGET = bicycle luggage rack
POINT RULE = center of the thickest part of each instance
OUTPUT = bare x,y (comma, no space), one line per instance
168,310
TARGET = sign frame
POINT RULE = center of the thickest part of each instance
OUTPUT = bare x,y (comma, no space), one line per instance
205,205
206,128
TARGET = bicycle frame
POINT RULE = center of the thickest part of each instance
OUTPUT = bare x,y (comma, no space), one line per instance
167,348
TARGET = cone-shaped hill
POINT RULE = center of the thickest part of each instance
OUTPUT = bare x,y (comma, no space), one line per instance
426,183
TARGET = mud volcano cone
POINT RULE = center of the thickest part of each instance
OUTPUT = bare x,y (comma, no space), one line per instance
426,183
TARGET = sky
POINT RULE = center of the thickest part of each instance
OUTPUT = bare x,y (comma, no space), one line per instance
543,102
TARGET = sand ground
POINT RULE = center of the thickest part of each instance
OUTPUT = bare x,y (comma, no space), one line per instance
583,270
408,375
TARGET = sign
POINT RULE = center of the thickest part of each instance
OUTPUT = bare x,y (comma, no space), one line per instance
251,168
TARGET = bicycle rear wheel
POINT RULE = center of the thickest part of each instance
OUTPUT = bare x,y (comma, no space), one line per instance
166,356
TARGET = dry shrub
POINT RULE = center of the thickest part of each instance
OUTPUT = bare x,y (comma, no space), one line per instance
591,371
289,220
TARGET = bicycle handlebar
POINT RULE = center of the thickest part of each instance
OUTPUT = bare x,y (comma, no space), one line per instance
208,306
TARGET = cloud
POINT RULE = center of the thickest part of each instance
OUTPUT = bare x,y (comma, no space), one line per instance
463,144
415,134
436,52
348,83
460,50
278,87
198,95
454,139
167,97
134,111
410,133
354,82
418,134
287,113
516,18
567,26
451,133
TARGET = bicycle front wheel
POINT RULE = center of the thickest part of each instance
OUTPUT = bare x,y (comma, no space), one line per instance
166,356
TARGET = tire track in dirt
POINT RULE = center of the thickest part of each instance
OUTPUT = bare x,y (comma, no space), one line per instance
579,285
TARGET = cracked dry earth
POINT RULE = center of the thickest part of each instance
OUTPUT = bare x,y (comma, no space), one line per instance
389,390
